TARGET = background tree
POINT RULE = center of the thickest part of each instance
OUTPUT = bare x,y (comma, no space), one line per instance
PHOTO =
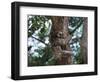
84,41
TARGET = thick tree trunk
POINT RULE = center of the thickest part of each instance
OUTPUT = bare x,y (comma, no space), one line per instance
84,42
59,40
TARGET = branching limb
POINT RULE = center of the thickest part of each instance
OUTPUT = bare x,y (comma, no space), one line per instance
40,41
67,52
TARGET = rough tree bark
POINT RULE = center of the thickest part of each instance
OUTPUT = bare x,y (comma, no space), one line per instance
84,42
59,38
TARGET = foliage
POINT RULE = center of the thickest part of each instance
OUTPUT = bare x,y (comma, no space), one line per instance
42,59
38,30
76,30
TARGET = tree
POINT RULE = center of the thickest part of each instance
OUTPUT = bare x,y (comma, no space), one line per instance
84,42
59,40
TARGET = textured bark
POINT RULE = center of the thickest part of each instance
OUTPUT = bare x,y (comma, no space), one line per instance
59,39
84,42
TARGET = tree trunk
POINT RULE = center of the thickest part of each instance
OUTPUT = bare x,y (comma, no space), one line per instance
59,38
84,42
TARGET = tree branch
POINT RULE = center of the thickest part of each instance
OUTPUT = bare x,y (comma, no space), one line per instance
67,52
40,40
81,21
